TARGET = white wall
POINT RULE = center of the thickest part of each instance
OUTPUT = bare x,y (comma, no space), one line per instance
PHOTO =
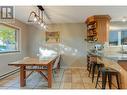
10,57
72,44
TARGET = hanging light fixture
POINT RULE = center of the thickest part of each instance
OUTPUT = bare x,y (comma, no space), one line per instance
38,17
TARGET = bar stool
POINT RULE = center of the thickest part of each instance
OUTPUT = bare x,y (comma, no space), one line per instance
93,67
88,62
90,68
107,72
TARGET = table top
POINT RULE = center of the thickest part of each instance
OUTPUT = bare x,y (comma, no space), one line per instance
34,61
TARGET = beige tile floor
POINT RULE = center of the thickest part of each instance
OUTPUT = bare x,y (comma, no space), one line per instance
65,78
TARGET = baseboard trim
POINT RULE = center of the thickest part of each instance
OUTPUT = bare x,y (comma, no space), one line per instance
9,73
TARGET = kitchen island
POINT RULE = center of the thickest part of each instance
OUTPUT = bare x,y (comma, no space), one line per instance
116,61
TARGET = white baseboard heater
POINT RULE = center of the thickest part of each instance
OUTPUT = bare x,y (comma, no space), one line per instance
9,73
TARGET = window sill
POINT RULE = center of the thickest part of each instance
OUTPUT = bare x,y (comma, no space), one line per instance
9,52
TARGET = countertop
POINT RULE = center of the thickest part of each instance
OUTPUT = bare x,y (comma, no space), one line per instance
119,58
116,57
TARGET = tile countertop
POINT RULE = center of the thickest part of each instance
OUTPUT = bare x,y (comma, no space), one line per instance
119,58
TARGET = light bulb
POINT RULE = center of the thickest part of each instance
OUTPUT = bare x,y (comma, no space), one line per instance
124,20
39,22
35,19
42,24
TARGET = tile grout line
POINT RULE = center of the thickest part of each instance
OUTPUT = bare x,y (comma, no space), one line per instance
82,79
71,78
61,79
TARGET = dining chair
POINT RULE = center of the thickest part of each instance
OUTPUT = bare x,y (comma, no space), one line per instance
56,65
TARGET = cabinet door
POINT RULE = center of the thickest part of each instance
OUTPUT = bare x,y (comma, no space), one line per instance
102,30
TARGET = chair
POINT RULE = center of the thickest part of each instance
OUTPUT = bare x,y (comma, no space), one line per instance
56,65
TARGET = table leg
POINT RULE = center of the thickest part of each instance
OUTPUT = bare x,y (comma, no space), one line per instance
49,75
22,76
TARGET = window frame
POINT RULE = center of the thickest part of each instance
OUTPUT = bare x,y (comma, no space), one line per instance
18,39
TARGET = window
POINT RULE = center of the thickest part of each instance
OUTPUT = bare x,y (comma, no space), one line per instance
113,38
124,37
118,37
8,38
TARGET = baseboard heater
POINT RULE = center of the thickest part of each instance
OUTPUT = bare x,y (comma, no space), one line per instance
9,74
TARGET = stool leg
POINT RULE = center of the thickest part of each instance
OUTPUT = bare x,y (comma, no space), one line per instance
93,72
117,79
90,69
104,77
97,78
109,80
88,64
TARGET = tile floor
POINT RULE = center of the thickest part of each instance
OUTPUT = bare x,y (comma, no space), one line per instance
65,78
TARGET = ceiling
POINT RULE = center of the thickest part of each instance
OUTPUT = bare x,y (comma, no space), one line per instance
71,14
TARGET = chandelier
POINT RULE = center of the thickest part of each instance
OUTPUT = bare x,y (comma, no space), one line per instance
38,17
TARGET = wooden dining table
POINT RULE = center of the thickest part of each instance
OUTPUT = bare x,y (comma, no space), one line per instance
39,65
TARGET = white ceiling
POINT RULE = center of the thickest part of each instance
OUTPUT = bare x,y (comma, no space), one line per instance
72,14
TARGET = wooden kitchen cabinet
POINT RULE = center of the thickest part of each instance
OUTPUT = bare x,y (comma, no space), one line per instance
98,28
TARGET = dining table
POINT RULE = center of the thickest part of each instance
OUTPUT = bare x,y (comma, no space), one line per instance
32,64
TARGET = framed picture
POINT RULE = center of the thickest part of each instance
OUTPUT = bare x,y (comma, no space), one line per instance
53,37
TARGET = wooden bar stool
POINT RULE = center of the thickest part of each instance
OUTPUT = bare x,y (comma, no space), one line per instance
96,66
107,73
93,67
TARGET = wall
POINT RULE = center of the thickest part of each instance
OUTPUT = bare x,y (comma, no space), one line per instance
10,57
72,45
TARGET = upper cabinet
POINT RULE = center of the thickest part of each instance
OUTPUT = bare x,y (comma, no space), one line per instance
97,28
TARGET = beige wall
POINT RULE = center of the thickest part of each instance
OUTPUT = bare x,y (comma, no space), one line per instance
10,57
72,44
